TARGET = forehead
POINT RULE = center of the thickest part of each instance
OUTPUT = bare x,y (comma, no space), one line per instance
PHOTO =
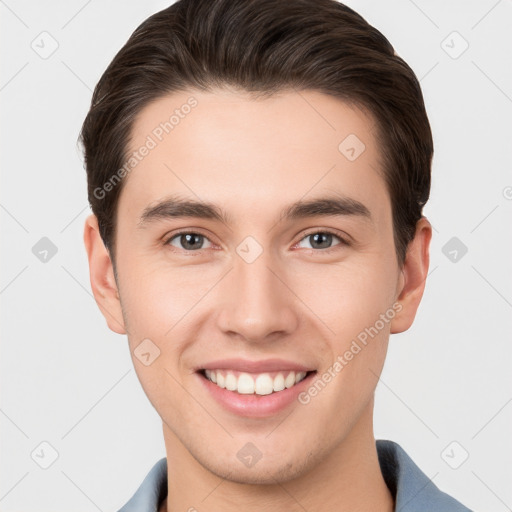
225,145
304,118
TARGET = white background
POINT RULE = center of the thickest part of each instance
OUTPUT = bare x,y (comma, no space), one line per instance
67,380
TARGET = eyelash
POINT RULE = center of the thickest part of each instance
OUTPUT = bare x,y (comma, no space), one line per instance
343,240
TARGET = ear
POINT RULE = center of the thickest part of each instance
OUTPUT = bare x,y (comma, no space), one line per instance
413,276
101,272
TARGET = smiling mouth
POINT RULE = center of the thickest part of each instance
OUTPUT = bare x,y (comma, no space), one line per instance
245,383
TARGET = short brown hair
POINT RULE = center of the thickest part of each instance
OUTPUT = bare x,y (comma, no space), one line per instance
263,47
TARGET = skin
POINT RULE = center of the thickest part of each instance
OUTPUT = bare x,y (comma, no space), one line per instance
295,301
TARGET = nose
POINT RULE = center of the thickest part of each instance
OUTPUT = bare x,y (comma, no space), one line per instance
259,304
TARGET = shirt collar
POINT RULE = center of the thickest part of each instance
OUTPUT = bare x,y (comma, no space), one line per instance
412,489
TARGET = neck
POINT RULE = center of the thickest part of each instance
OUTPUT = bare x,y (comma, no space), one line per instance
347,478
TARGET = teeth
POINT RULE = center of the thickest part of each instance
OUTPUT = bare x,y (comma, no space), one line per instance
279,382
231,382
299,377
264,384
221,380
290,380
261,384
245,384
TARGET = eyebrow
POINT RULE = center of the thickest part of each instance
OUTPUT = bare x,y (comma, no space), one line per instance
177,207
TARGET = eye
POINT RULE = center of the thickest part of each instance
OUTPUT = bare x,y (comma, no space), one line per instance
191,241
322,240
188,241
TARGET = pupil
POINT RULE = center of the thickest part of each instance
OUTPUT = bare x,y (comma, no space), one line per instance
186,240
327,237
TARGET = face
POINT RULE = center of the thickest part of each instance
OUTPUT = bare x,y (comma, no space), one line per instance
291,269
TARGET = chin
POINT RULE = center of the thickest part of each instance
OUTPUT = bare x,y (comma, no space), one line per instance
263,472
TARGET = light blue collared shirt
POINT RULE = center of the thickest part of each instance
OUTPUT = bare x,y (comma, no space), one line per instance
412,489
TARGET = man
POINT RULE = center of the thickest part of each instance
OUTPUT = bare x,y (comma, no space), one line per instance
257,171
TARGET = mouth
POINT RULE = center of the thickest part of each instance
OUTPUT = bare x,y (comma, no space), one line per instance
255,388
245,383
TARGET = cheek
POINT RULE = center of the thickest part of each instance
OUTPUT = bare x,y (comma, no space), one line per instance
162,304
347,297
358,308
355,302
155,297
155,303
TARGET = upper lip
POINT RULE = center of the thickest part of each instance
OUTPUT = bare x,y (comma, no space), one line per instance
246,365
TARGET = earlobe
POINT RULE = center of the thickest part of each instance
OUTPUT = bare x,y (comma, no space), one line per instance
413,277
101,274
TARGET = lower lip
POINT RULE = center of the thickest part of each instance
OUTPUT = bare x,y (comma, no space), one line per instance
255,406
